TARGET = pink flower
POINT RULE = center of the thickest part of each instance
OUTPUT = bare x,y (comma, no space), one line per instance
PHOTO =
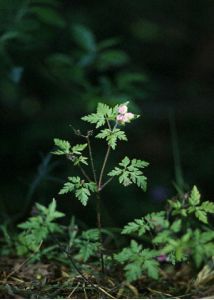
120,118
123,109
125,118
129,116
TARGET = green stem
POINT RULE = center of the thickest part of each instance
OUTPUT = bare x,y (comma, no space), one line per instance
108,123
99,226
98,209
106,183
84,173
91,159
103,167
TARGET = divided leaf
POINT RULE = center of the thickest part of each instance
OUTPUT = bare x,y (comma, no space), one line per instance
73,153
195,197
77,149
156,221
131,172
64,147
111,136
137,261
195,206
104,112
37,228
81,189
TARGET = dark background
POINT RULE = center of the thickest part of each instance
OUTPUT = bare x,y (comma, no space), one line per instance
58,59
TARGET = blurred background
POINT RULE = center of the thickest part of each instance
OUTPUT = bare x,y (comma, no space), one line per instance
58,59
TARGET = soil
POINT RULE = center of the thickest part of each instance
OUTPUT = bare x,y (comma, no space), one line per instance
20,279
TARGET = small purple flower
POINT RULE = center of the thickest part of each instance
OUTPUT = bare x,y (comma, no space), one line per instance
162,258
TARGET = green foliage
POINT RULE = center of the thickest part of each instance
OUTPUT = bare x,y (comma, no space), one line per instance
38,228
111,136
81,189
49,16
178,246
202,245
104,113
176,238
64,147
6,240
73,153
194,205
84,38
138,261
195,197
111,58
88,244
156,221
131,172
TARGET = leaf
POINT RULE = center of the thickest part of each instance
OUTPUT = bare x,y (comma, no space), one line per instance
115,172
162,237
77,149
153,221
125,162
111,58
37,228
81,189
176,226
10,35
152,267
52,207
80,160
112,136
202,245
135,247
137,260
52,213
195,197
91,234
207,206
139,226
84,38
88,249
202,216
175,204
82,194
49,16
131,172
91,186
64,147
133,271
104,109
107,43
67,188
128,80
99,118
41,208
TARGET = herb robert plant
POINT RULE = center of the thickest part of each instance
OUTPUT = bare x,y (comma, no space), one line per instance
111,123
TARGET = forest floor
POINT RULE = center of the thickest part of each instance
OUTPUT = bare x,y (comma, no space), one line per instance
20,279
